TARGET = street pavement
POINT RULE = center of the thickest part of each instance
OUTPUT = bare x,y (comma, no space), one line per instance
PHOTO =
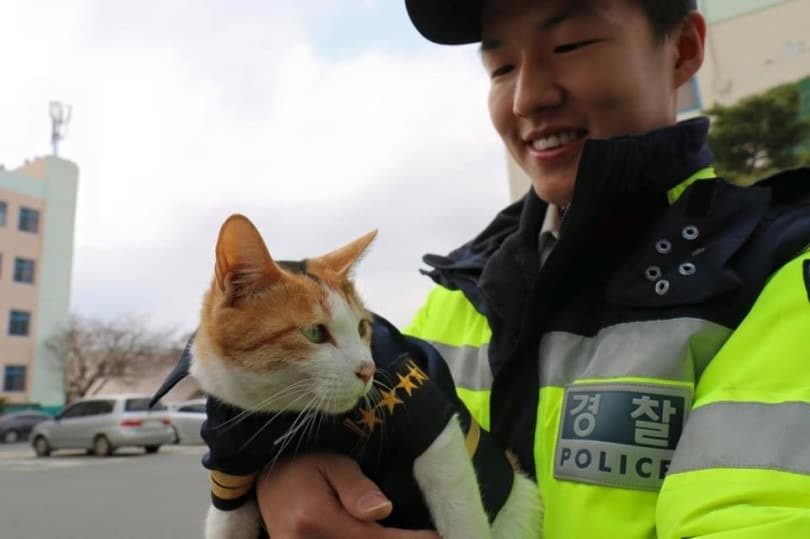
129,495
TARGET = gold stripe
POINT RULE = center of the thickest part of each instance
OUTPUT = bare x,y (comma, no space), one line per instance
231,481
230,487
473,436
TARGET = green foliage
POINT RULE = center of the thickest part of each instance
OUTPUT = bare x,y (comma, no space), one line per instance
759,134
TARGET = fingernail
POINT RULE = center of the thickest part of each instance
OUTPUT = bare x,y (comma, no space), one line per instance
372,502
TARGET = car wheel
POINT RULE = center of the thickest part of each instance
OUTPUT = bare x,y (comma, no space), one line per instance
150,449
11,436
102,446
41,446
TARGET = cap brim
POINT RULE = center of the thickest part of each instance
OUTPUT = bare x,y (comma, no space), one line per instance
447,22
452,22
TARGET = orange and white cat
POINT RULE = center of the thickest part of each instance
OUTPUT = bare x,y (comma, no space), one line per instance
294,337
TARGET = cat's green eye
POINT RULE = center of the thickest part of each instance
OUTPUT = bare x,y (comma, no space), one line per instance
316,334
363,328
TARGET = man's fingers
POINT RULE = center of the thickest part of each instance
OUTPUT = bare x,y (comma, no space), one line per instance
325,496
357,493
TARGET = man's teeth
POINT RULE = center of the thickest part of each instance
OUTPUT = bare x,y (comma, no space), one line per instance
552,141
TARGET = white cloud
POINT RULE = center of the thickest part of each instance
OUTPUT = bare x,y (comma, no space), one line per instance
173,133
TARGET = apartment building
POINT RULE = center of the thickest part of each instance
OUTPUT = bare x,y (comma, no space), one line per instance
751,46
37,212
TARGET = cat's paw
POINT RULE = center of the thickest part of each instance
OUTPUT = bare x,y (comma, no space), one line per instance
240,523
522,514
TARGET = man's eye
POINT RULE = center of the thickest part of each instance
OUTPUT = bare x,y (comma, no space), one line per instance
503,70
568,47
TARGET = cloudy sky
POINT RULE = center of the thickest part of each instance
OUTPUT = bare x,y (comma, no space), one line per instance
318,119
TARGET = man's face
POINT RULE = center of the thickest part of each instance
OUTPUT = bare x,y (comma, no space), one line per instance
562,71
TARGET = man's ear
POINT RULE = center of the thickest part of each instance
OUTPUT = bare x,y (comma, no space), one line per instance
690,41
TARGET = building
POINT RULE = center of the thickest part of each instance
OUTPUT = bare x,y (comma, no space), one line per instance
751,46
37,212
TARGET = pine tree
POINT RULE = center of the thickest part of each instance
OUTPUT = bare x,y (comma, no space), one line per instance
759,133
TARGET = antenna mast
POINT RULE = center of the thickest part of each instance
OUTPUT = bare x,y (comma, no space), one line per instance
60,119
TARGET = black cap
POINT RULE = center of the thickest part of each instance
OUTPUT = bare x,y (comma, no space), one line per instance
453,22
447,22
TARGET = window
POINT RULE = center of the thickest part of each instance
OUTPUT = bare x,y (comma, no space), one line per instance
99,407
193,408
689,97
19,322
142,405
3,210
23,270
29,220
14,378
75,410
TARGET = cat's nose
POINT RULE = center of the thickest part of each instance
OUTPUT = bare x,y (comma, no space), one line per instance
365,372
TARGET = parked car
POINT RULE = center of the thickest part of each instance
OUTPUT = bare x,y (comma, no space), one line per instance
102,424
187,418
16,426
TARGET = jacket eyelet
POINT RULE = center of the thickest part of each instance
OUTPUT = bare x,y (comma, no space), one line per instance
690,232
653,273
687,268
663,246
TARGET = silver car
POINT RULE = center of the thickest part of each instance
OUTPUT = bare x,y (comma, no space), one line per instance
187,418
102,424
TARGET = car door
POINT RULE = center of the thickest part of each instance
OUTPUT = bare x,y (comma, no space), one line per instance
187,419
95,419
64,433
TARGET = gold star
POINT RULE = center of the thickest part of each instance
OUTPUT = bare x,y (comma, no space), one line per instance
405,383
416,372
390,400
369,418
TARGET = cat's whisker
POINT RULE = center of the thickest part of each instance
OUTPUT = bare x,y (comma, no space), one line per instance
299,423
272,418
317,410
295,427
379,383
383,373
261,407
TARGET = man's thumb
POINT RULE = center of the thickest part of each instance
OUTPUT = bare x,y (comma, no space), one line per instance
357,493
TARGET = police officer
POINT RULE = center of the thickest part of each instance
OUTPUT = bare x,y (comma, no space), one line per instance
634,328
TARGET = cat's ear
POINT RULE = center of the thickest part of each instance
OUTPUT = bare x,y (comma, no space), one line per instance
243,262
341,260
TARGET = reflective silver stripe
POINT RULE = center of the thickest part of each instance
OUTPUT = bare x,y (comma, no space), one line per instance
745,435
469,365
676,349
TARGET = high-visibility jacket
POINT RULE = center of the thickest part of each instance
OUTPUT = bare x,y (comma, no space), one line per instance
654,374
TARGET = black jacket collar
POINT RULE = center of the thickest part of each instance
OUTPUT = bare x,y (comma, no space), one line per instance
615,175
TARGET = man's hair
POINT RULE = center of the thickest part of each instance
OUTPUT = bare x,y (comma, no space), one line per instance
665,15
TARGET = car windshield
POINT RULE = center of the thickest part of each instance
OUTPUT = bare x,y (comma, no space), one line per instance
141,405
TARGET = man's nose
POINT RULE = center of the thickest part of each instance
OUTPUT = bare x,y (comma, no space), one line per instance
535,89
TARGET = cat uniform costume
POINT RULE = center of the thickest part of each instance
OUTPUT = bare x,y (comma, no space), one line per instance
385,438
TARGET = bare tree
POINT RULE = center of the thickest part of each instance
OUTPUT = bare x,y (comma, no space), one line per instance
92,352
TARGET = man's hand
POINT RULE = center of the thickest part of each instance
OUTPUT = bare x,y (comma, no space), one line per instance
325,496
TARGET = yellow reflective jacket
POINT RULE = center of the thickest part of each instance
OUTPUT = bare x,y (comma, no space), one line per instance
654,374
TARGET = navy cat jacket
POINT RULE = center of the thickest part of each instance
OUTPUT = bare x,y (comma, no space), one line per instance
417,399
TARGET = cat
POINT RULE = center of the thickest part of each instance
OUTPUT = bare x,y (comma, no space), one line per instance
284,352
